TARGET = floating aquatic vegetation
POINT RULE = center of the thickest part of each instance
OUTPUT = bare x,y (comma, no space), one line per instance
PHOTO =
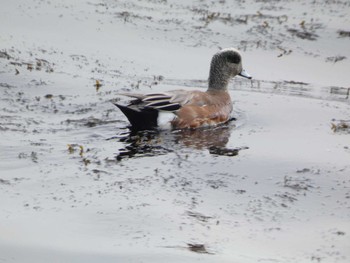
341,126
97,85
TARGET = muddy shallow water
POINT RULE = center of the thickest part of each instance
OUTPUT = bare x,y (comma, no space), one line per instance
77,186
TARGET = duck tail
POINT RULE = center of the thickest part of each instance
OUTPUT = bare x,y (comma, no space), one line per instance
140,119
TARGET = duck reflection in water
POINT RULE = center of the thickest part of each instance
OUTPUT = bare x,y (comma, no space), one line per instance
159,142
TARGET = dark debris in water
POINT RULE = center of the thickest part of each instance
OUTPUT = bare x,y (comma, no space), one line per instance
38,64
5,55
33,156
303,34
198,248
340,233
293,82
89,122
344,93
3,181
194,247
200,217
335,59
343,33
298,184
6,85
223,151
286,197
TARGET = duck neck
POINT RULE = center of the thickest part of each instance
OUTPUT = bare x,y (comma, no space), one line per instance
218,79
218,85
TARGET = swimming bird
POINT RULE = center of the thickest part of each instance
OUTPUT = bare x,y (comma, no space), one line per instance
191,109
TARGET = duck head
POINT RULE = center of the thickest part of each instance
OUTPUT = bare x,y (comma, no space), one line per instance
225,64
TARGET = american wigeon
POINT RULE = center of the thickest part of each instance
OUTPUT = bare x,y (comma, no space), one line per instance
192,109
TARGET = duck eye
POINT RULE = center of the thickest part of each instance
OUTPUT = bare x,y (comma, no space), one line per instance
234,58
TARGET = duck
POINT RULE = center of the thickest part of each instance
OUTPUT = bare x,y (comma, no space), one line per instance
191,109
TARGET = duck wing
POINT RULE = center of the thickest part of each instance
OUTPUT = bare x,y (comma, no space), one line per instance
167,101
143,111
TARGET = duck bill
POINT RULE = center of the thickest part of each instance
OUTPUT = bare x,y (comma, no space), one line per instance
244,74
